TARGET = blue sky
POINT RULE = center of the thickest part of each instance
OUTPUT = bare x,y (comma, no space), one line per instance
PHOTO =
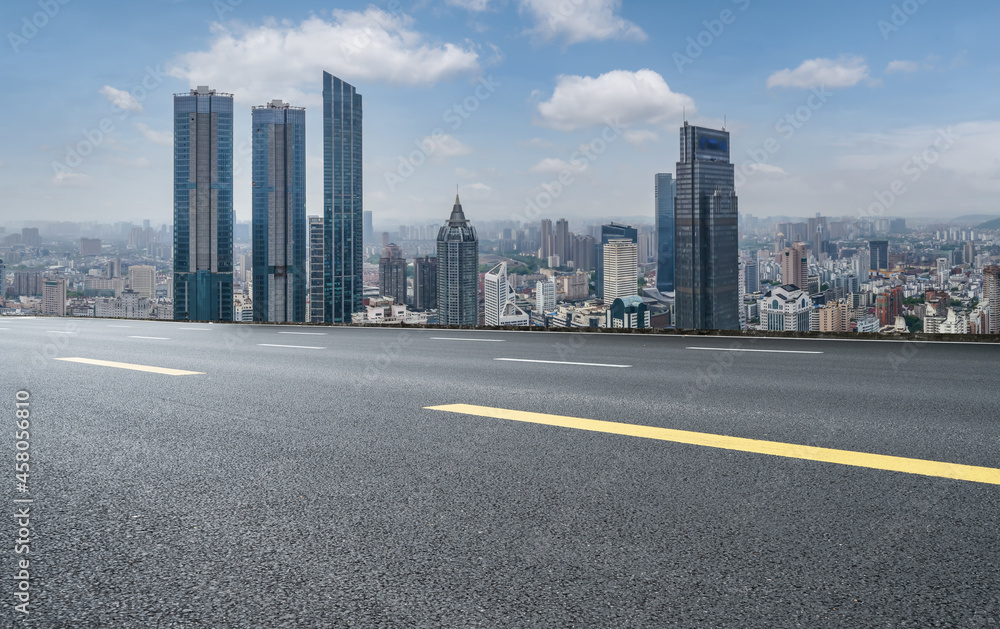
833,106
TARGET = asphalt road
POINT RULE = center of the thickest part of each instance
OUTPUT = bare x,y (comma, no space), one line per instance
310,486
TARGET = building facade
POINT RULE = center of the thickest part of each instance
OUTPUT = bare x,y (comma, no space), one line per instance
54,296
279,212
785,308
795,266
665,192
621,269
203,206
458,270
627,312
612,231
500,308
706,217
425,275
343,245
392,274
316,265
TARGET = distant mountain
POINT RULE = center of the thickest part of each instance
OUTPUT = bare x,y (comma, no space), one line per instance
971,219
994,224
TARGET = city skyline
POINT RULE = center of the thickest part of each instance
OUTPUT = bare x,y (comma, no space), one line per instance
536,93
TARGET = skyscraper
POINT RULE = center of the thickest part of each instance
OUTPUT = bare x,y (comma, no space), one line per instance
991,296
609,233
279,212
203,205
621,269
342,210
879,251
142,279
458,270
705,237
425,283
795,265
563,248
548,242
666,190
54,296
500,308
392,274
368,231
316,266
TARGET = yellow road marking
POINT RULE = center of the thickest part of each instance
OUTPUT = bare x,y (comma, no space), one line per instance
107,363
789,450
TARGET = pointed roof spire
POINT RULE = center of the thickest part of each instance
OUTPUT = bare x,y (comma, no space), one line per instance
457,215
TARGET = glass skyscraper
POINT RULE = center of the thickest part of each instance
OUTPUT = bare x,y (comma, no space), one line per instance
706,214
342,211
458,270
279,212
203,206
666,190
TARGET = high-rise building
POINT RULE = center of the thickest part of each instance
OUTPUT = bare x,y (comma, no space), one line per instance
142,280
785,308
500,308
879,252
991,296
458,270
563,242
368,230
30,237
621,269
943,273
545,295
425,274
548,241
316,266
751,277
706,217
795,266
584,254
666,191
392,274
54,296
279,212
26,283
3,280
203,206
889,305
90,246
342,200
611,232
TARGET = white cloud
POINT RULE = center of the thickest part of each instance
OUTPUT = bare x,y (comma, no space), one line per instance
441,147
554,166
66,179
641,97
283,60
121,99
638,137
576,21
139,162
470,5
766,169
476,191
535,143
165,138
846,71
902,66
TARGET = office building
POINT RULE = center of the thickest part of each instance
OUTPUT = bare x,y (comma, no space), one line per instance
584,253
751,277
991,296
30,237
458,270
425,283
795,266
142,280
368,230
943,273
545,295
705,239
500,308
54,296
392,274
279,212
563,247
785,308
548,240
627,312
316,266
612,231
879,252
90,246
665,191
621,269
342,200
203,206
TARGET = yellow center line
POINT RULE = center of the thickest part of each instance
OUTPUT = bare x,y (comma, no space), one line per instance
789,450
107,363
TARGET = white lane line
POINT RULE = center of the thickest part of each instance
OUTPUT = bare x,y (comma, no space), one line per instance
292,346
560,362
119,326
305,333
4,328
451,338
199,329
153,338
58,332
766,351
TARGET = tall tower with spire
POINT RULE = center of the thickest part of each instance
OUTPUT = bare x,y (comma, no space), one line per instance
458,270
